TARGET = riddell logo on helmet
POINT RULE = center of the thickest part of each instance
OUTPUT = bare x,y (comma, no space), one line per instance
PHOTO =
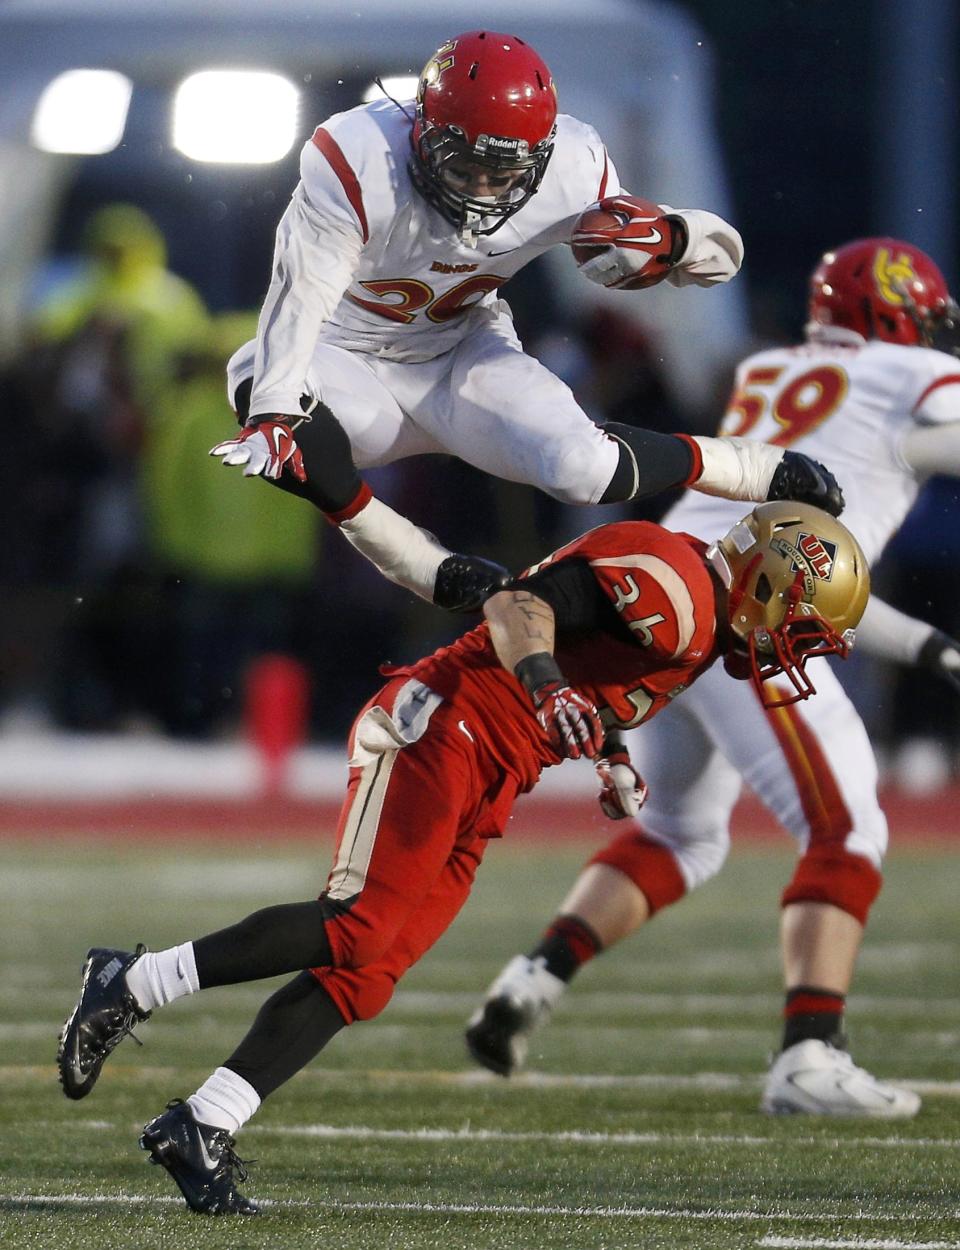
494,143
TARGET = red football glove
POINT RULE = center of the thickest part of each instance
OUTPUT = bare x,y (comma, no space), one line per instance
622,790
569,720
265,450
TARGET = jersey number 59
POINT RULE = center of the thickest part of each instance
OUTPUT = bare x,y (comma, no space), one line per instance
800,407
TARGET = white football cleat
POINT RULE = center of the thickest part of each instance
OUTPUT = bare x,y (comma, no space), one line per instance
519,1000
813,1078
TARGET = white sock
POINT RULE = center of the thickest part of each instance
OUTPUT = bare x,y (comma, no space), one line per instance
224,1100
158,977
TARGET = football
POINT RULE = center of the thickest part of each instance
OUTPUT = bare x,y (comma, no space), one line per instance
634,225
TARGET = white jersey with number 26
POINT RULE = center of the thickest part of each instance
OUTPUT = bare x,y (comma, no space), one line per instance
365,262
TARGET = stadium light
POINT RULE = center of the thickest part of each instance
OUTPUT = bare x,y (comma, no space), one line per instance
235,117
82,111
399,86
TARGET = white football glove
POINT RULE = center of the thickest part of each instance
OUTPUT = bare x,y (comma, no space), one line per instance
622,790
714,251
264,450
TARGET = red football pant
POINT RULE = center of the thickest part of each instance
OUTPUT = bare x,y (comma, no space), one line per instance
407,852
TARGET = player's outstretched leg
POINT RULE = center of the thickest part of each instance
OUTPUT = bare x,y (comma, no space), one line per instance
106,1013
200,1158
815,1078
519,1000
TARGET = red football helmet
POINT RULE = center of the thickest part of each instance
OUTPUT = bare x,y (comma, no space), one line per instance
486,119
883,289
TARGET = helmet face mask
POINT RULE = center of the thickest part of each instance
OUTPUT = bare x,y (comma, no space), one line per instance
797,584
885,289
484,130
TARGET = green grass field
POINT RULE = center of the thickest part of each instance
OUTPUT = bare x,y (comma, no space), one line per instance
638,1125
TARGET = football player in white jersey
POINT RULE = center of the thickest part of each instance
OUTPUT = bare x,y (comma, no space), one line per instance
382,318
868,391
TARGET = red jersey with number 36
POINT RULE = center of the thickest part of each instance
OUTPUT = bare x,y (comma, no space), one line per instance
662,637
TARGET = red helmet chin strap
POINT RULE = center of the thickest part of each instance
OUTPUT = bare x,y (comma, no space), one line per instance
797,640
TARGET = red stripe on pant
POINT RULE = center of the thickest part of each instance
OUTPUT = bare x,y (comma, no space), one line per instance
826,872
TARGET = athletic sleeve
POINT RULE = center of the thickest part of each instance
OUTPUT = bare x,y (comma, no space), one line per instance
570,588
318,245
889,634
938,387
928,449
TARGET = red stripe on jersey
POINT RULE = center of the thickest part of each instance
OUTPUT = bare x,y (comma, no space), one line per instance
820,795
949,379
826,872
603,180
697,455
325,143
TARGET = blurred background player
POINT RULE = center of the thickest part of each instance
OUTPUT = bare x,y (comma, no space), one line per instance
875,391
604,632
382,317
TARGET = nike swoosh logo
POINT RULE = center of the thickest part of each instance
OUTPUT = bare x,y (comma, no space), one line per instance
653,237
208,1163
78,1071
278,437
506,252
840,1083
462,726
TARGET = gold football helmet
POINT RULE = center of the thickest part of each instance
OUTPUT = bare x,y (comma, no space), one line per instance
797,585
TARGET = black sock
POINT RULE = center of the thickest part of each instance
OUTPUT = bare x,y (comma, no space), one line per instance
810,1012
567,944
291,1028
285,938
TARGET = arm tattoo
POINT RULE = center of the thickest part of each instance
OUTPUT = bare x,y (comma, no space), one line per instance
536,614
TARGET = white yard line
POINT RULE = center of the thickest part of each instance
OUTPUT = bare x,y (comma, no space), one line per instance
853,1243
528,1080
580,1137
478,1208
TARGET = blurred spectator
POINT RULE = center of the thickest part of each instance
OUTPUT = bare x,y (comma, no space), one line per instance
102,344
235,559
123,292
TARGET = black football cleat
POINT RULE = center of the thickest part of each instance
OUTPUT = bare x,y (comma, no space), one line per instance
200,1158
105,1014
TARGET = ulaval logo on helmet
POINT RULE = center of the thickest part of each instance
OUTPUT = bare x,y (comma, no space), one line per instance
813,557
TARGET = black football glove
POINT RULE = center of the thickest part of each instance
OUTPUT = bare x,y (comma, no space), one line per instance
802,480
940,654
464,582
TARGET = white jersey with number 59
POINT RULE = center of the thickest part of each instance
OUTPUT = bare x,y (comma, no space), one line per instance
848,403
